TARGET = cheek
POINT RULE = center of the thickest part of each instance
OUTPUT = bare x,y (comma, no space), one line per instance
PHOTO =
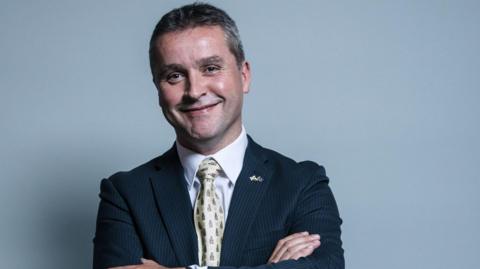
225,86
169,98
218,85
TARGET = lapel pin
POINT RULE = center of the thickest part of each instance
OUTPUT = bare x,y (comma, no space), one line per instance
256,178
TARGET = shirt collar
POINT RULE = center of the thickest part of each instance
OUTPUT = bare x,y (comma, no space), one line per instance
230,159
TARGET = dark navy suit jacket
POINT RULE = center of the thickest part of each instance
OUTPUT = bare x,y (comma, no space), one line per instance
147,212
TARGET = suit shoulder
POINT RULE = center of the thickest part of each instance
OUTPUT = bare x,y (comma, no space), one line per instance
285,163
123,178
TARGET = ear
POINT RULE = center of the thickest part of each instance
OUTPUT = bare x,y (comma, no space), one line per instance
246,76
156,83
159,93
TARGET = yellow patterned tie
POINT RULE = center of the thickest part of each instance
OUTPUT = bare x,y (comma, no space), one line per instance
208,215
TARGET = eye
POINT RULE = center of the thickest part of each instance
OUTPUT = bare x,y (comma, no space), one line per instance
174,77
211,69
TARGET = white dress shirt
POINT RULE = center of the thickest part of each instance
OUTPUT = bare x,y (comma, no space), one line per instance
229,158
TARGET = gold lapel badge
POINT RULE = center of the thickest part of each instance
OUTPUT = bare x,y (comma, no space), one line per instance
256,178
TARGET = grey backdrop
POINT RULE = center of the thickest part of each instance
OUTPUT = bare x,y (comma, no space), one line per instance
383,93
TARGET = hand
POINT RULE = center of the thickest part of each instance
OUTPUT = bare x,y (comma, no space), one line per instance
295,246
146,264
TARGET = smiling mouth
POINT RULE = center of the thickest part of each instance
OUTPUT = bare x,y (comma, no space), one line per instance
198,108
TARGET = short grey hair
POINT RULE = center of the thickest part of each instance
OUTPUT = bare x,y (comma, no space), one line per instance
195,15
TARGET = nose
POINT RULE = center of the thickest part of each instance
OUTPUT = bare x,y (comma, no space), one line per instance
195,86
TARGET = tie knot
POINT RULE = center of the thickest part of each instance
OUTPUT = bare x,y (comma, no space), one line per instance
208,169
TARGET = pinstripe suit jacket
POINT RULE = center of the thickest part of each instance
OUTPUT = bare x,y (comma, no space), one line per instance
146,212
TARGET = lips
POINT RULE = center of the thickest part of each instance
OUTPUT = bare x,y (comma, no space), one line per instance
196,109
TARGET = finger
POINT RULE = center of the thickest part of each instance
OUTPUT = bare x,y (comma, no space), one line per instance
289,247
298,247
299,251
288,238
303,253
124,267
282,241
284,245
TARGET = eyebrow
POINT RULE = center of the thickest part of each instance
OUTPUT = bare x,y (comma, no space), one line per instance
210,60
163,69
215,59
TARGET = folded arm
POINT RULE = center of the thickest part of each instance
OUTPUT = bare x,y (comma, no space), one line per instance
116,241
291,247
316,212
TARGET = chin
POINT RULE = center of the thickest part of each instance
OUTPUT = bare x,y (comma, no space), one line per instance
203,129
204,135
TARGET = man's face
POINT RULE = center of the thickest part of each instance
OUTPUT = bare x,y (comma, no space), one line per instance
200,86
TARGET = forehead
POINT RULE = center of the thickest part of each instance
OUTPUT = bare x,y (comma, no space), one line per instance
192,43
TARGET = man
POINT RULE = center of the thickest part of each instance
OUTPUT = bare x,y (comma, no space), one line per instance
216,198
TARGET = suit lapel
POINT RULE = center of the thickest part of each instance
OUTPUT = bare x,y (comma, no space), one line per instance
246,198
175,207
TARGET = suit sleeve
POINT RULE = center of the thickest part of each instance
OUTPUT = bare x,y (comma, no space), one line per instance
316,212
116,242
